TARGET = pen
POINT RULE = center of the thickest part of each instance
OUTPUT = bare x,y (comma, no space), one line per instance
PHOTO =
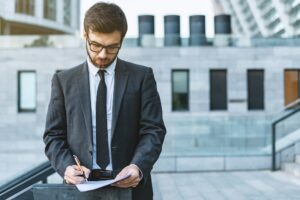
78,164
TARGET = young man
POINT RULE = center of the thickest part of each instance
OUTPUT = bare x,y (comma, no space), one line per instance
106,111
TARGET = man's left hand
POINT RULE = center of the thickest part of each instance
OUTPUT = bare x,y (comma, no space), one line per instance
133,180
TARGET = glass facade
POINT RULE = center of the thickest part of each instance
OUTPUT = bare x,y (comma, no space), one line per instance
255,79
291,85
180,90
24,7
67,12
218,89
50,9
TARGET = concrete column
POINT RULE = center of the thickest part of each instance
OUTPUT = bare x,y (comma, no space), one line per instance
73,13
146,30
172,30
197,30
39,8
6,29
60,11
222,30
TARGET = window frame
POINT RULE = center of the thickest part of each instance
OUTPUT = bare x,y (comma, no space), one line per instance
20,109
211,92
263,90
188,89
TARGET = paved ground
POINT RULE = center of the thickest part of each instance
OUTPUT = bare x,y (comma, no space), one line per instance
251,185
238,185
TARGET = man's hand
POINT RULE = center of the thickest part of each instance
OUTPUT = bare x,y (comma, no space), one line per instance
133,180
73,175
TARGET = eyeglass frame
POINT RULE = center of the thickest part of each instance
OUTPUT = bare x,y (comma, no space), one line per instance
101,47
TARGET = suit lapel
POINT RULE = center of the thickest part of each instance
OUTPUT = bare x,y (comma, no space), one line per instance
84,93
121,77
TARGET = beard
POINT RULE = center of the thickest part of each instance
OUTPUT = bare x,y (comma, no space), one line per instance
103,66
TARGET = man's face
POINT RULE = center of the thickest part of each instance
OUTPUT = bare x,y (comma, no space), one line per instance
103,48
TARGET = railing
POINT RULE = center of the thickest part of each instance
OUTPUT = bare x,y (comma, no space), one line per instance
291,109
22,184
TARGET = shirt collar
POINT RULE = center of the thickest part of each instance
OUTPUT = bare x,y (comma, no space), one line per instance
94,70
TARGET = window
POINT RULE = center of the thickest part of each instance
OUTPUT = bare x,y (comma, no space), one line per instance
291,86
50,9
218,89
24,7
180,90
67,12
26,91
255,79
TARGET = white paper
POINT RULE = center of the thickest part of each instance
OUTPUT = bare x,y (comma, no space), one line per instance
92,185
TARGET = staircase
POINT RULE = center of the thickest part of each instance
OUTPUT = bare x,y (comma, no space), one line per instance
292,165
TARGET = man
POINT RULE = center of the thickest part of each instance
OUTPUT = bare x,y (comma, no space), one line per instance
105,111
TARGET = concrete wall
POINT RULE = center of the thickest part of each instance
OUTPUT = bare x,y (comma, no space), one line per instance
197,139
199,60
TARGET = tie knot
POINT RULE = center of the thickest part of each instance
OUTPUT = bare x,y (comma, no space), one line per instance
101,73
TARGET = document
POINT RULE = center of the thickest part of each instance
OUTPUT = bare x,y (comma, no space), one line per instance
92,185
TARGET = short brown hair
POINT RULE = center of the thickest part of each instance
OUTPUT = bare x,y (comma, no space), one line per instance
105,18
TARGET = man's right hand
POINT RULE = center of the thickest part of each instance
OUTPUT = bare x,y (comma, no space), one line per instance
73,175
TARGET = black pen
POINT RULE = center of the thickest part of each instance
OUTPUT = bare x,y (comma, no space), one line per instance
78,164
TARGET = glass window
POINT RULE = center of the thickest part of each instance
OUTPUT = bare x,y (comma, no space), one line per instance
50,9
255,80
180,90
24,7
218,89
67,12
291,86
26,91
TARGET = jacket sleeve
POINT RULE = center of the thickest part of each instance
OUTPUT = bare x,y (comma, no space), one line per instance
152,129
55,135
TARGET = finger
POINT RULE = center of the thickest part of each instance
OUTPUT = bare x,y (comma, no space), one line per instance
134,184
75,179
123,172
70,170
127,180
86,171
126,184
69,180
75,171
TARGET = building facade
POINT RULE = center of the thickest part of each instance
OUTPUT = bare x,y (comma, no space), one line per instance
219,99
262,18
39,17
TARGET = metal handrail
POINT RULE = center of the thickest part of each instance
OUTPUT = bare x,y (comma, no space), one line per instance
23,182
292,108
293,104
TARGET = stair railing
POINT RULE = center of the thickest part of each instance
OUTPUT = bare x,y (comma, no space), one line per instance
290,110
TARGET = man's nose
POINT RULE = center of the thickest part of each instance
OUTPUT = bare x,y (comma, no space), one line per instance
102,53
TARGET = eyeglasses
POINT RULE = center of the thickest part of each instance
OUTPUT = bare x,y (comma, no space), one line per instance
96,47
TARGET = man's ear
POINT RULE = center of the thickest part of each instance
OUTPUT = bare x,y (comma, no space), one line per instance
84,34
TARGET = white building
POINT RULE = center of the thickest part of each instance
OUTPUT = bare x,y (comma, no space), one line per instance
37,17
267,18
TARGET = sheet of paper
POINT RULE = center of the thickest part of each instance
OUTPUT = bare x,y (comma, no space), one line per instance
92,185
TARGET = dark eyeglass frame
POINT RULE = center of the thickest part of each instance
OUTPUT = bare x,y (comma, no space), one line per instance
97,47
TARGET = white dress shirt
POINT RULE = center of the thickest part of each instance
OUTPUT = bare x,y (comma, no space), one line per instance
94,79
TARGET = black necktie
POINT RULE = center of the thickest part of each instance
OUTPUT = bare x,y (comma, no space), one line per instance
101,124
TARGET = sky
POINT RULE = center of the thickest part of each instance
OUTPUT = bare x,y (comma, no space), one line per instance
159,8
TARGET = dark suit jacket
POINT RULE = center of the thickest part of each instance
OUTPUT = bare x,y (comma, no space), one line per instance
138,129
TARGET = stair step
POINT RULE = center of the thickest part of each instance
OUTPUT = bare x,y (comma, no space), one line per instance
291,168
297,159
